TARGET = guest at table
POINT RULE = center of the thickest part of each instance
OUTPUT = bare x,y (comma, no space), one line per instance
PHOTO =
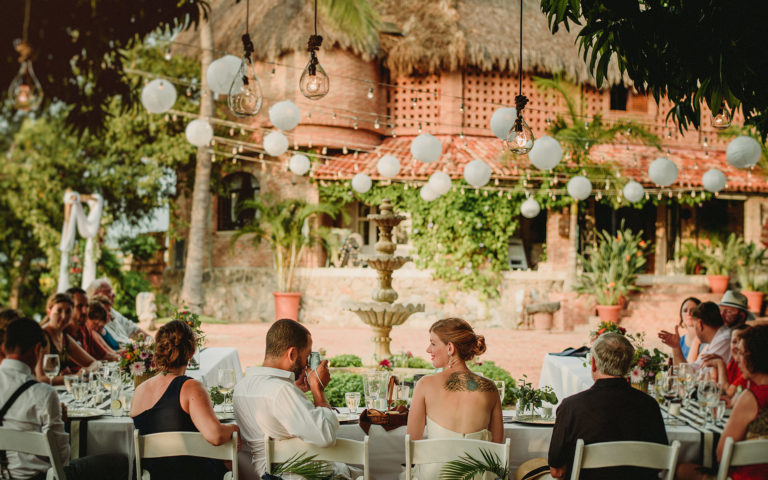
38,409
7,315
79,313
106,337
119,327
89,333
72,357
689,342
729,375
173,402
610,411
734,309
710,330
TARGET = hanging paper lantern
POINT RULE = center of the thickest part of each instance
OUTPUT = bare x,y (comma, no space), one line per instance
477,173
530,208
439,182
221,73
663,171
388,166
275,144
633,191
713,180
284,115
426,148
361,183
579,187
199,132
743,152
158,96
502,121
427,194
546,153
299,164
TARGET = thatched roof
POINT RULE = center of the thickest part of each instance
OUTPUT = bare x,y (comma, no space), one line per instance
432,36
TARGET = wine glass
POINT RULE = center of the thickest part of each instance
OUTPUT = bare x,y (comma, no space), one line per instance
708,396
686,376
226,382
51,365
500,387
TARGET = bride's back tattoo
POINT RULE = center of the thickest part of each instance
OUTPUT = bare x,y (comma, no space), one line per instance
468,382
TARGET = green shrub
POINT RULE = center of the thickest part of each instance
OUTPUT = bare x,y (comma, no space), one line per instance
494,372
418,362
346,360
340,384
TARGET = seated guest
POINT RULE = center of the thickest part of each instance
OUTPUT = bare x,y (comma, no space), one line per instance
455,403
72,357
91,339
119,327
173,402
689,342
79,313
610,411
7,315
710,329
271,400
38,409
729,376
107,338
734,309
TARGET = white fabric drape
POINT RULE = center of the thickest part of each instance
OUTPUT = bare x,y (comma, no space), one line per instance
88,227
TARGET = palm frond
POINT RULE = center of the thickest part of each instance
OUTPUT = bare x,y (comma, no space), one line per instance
467,466
357,18
304,465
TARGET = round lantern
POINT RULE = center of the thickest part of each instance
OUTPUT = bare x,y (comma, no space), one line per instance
713,180
477,173
530,208
663,171
743,152
275,144
199,132
427,194
284,115
633,191
439,182
299,164
546,153
426,148
221,73
361,183
158,96
388,166
502,121
579,187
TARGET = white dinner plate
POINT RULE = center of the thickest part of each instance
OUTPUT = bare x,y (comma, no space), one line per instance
80,412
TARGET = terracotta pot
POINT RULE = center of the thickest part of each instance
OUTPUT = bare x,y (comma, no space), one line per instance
609,313
754,301
543,320
287,305
718,283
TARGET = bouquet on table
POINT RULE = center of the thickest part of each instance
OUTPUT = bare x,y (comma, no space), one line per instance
138,359
646,365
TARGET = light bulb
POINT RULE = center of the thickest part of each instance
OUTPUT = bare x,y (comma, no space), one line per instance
25,92
723,118
520,138
314,82
370,92
245,92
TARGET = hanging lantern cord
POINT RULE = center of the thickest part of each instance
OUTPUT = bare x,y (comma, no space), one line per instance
247,43
22,46
520,100
312,46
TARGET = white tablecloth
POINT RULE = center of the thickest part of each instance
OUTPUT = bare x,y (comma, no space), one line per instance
211,360
566,375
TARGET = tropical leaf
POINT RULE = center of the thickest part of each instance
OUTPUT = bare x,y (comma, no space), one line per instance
466,467
304,465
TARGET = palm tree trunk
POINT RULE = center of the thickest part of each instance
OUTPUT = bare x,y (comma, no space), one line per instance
192,287
18,282
573,247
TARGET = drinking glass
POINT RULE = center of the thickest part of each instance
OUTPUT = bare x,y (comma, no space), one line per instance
353,401
127,398
115,403
686,376
501,388
68,381
80,392
375,386
708,396
718,412
226,381
51,365
403,394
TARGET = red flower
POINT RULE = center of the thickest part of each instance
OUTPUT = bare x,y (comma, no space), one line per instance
601,331
622,330
385,363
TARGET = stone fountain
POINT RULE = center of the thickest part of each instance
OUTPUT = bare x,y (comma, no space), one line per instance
382,314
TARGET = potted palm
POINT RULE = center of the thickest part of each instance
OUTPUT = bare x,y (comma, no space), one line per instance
749,266
610,270
289,227
720,259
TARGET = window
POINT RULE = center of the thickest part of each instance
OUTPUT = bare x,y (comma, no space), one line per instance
238,187
619,98
625,100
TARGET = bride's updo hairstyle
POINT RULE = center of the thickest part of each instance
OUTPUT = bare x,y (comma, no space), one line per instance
459,332
174,345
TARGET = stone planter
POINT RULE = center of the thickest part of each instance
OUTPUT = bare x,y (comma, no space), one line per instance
754,301
718,283
287,305
543,320
609,313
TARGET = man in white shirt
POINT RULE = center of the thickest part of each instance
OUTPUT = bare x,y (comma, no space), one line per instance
710,330
38,409
270,400
120,328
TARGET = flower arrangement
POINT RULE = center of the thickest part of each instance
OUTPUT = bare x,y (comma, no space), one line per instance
194,322
606,327
385,365
646,365
138,358
529,398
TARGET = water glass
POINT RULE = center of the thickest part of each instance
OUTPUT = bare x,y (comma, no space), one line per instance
500,386
126,398
718,411
115,403
353,401
375,386
80,393
69,380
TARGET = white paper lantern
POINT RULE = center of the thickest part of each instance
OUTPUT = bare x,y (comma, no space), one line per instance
439,182
199,132
388,166
530,208
427,194
546,153
284,115
221,73
275,144
426,148
633,191
502,121
477,173
299,164
713,180
579,187
663,171
158,96
361,183
743,152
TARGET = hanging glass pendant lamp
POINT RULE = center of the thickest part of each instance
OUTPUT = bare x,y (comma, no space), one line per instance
25,92
520,138
245,97
314,82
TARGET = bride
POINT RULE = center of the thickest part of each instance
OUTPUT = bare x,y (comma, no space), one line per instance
454,403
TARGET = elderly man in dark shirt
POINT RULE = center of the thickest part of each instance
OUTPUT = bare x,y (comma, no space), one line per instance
611,410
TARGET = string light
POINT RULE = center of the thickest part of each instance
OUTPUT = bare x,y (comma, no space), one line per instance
370,92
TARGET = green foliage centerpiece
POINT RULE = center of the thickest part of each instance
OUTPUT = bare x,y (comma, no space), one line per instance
529,399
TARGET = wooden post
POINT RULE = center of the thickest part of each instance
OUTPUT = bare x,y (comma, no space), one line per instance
660,258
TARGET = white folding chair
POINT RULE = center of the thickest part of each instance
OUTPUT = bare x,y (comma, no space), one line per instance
737,454
443,450
345,451
34,443
629,454
174,444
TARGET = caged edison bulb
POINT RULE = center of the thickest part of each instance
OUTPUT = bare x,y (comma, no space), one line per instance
520,140
314,82
25,91
245,95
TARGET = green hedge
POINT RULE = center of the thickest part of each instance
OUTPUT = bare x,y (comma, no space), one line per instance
346,360
494,372
342,383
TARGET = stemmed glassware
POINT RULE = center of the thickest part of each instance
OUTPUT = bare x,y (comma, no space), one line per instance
226,382
51,366
500,386
686,375
708,396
